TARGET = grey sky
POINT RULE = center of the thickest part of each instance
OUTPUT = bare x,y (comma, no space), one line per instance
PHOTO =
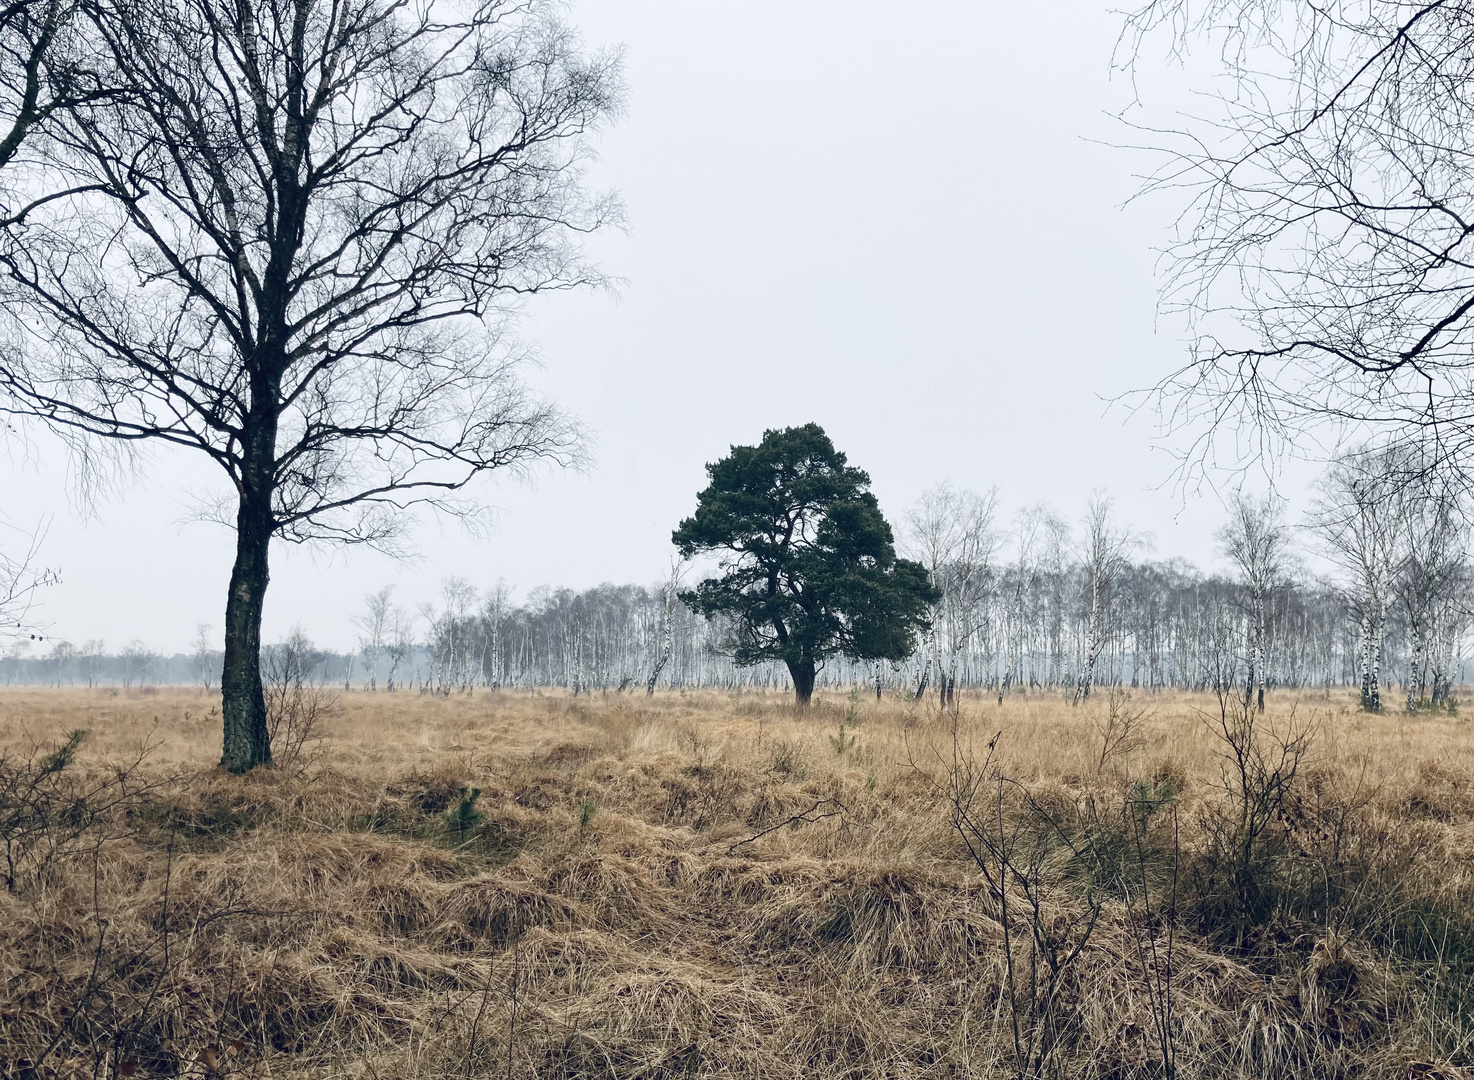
892,221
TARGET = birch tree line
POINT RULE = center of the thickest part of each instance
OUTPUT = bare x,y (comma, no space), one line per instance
1033,603
1041,604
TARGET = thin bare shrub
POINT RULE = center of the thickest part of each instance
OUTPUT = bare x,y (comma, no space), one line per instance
1119,727
1041,869
1151,917
1259,762
50,809
296,704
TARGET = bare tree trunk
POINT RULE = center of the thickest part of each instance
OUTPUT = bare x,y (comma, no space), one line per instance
1415,675
1092,644
1378,629
668,595
1087,673
1366,662
1256,657
925,676
667,647
247,743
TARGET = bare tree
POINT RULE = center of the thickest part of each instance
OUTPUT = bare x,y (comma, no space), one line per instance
452,635
206,659
1432,587
92,653
495,607
1326,259
374,623
951,532
1105,552
1257,542
670,594
1041,541
281,250
62,654
399,644
1358,516
138,663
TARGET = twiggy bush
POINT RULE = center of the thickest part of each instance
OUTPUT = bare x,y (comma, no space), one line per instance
49,810
296,706
1235,880
1042,865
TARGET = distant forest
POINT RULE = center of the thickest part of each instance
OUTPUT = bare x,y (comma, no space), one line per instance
1168,625
1038,605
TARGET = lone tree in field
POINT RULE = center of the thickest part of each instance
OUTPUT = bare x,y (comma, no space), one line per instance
809,566
279,246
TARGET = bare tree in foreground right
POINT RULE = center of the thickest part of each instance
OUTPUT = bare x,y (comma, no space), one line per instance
1324,260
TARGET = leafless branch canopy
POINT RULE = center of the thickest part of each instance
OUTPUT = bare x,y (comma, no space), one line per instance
21,575
1325,257
295,227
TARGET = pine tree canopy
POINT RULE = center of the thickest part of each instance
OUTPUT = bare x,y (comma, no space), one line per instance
808,563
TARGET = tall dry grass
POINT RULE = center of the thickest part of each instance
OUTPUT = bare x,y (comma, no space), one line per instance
528,884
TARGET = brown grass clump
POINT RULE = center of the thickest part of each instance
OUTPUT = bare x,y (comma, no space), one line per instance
532,885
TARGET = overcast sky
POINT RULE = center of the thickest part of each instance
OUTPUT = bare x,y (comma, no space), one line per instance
897,221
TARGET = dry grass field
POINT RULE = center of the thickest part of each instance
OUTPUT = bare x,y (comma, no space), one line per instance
522,884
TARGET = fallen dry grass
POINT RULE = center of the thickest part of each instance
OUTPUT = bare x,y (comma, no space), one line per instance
533,885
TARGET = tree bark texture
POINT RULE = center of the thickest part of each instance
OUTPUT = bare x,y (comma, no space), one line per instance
247,743
803,673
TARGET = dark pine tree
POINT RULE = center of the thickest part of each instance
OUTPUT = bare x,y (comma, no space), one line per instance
809,566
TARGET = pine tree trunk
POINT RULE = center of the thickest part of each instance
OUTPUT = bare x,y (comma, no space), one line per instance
802,672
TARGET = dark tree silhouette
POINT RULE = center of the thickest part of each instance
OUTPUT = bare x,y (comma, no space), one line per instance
48,63
809,564
281,249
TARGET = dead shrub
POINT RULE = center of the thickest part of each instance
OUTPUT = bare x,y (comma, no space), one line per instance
296,706
51,810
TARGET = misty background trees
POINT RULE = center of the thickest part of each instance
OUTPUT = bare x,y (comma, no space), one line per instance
1036,603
